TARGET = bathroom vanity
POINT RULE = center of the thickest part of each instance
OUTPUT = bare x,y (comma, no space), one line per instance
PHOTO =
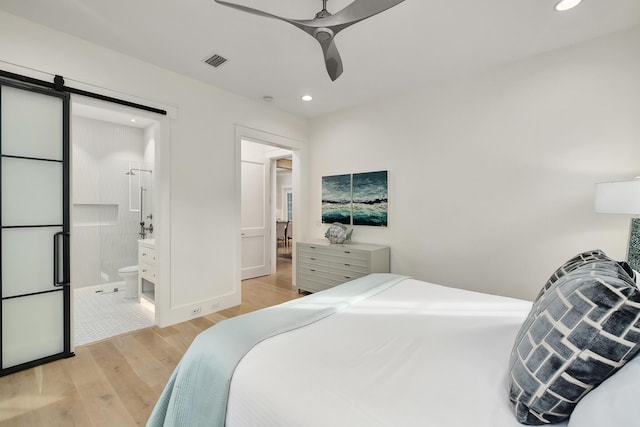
147,269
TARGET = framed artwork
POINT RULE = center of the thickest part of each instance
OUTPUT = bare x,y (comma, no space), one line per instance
369,198
336,199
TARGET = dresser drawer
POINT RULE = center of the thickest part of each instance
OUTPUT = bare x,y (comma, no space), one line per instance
323,260
313,267
146,255
352,254
314,274
344,276
350,264
350,270
313,251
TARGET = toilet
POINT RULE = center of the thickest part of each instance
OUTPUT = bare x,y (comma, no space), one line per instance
130,276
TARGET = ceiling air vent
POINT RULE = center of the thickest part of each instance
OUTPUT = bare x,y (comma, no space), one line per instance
216,61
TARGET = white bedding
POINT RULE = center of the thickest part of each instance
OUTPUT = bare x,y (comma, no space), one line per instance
417,354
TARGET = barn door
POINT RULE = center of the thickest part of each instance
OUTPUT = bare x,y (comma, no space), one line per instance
34,216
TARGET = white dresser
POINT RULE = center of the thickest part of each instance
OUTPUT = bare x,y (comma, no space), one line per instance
321,265
146,269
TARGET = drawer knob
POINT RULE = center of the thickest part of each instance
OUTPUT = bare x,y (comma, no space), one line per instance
144,271
312,259
311,269
348,265
347,252
312,247
144,254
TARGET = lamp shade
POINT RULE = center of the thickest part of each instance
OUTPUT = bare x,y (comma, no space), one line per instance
618,197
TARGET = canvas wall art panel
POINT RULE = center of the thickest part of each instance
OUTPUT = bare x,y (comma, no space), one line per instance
336,199
369,198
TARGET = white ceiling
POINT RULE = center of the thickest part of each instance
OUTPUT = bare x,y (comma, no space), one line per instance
415,43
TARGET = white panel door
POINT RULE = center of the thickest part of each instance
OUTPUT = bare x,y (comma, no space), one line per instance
35,325
255,173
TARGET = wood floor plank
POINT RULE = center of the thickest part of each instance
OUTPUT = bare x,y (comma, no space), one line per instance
182,340
68,408
143,363
116,382
19,393
162,351
133,392
202,323
103,404
68,411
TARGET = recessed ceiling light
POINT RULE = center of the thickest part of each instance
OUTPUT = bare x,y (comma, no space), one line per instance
267,98
133,120
307,97
567,4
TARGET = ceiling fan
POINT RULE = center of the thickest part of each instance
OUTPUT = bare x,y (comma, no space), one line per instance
325,26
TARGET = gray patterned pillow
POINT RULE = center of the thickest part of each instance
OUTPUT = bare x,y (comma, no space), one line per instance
574,263
579,332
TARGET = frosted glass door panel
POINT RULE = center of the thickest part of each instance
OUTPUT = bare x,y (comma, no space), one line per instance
27,260
31,124
31,192
32,328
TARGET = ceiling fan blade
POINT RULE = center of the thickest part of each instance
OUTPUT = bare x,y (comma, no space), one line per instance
298,23
357,11
332,59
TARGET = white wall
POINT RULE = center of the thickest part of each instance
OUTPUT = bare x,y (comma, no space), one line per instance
196,150
491,177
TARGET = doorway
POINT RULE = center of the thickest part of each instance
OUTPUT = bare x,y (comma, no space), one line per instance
264,213
112,195
263,184
282,194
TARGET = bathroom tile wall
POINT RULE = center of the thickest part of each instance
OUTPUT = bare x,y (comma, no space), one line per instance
104,230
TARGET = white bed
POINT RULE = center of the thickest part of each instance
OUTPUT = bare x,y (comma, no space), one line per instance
388,350
416,354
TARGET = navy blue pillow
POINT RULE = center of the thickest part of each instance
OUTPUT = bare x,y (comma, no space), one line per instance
580,331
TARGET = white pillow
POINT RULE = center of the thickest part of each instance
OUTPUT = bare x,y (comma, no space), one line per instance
612,403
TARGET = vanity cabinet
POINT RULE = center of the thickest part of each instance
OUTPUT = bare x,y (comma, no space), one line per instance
146,269
321,265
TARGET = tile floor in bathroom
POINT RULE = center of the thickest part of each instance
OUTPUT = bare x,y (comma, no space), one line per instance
100,315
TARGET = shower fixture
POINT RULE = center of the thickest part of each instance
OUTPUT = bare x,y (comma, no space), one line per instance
136,169
143,229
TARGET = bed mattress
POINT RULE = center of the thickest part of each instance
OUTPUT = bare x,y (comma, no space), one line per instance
416,354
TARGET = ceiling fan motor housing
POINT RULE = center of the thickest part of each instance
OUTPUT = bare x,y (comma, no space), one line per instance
323,34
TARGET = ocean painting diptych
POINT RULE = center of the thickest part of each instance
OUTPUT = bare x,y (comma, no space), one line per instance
336,199
369,198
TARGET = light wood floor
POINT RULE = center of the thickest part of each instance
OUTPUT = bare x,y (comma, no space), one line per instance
117,382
